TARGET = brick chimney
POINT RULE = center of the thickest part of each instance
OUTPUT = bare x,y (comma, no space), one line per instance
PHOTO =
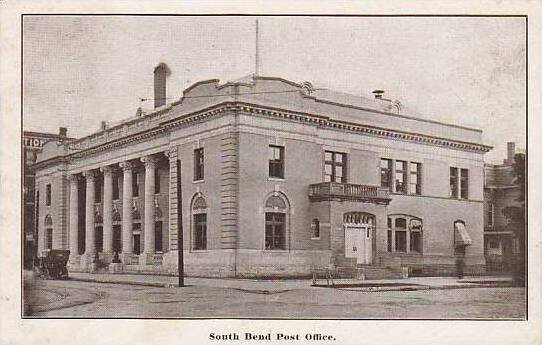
161,72
511,152
62,132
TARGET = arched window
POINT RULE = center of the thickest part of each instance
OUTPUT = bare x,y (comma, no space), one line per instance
405,234
276,221
315,228
199,222
48,232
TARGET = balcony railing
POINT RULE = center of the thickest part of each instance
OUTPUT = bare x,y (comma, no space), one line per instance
348,191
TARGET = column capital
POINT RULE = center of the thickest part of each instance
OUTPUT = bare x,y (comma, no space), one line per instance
106,169
171,152
74,178
149,160
90,175
126,166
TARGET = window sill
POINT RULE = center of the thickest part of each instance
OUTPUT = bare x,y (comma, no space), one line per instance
198,181
315,238
277,179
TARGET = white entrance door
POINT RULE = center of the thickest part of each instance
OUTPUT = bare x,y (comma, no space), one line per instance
357,243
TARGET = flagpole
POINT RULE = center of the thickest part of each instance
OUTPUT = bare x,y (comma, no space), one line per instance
257,57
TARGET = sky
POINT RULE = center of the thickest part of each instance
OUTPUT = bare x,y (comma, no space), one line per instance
81,70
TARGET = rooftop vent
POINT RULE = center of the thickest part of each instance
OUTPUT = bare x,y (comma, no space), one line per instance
62,131
378,94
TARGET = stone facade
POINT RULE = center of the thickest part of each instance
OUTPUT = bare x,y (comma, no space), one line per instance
320,201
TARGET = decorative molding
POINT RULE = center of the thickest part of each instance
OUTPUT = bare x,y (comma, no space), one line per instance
264,111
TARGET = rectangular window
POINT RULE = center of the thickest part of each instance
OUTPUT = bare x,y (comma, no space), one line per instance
156,182
415,241
334,167
390,243
135,184
385,173
400,241
400,176
49,239
158,236
200,231
415,182
48,195
199,160
493,244
99,239
489,215
117,246
454,183
116,186
464,183
97,190
276,161
275,231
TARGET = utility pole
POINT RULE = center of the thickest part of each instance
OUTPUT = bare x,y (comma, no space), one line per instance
180,247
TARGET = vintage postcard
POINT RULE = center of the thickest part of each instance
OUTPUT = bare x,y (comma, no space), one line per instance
270,176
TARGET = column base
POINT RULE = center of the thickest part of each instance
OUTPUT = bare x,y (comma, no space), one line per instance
87,264
129,258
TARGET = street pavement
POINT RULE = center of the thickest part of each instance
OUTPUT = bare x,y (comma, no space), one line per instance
138,296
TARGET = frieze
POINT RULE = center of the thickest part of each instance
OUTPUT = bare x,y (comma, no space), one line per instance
219,109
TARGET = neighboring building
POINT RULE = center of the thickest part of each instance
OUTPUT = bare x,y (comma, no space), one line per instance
32,144
271,178
500,191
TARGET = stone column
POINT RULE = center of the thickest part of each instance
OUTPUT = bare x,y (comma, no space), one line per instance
74,217
127,248
108,212
90,246
150,171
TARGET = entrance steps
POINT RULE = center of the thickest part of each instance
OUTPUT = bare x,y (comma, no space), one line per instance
369,272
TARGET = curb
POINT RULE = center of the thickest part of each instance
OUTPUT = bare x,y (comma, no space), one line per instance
124,282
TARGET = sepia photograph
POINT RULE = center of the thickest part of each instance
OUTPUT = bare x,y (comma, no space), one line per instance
293,167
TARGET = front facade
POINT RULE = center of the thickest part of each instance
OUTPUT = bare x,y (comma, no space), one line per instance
264,178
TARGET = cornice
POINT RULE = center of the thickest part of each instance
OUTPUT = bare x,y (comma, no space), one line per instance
266,111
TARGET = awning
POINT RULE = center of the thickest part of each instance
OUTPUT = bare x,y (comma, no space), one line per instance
462,237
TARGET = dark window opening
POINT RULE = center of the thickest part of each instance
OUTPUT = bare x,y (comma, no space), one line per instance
97,190
415,178
117,247
135,184
334,167
156,181
385,173
200,231
315,228
48,195
454,183
400,223
400,241
276,161
136,238
275,228
390,244
116,186
49,238
464,183
99,239
415,241
400,176
199,164
158,236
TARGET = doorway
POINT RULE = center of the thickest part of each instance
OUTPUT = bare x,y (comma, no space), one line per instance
358,237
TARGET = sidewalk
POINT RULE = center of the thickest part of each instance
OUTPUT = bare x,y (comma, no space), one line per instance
274,286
